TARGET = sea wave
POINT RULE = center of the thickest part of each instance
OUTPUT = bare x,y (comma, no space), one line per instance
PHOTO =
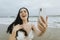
52,21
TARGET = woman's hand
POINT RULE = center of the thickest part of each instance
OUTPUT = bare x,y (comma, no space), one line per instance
42,24
17,27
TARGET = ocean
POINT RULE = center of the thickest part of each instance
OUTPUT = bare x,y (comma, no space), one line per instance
52,21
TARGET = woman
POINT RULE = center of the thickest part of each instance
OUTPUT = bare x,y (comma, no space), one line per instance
21,29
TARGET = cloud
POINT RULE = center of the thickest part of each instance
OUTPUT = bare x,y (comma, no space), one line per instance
12,6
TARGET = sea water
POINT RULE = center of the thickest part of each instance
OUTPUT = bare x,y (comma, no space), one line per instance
52,21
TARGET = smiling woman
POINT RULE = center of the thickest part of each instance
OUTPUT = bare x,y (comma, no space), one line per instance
21,27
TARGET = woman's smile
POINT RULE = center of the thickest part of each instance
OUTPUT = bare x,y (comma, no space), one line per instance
23,15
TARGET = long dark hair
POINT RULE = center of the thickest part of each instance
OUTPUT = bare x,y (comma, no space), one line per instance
17,21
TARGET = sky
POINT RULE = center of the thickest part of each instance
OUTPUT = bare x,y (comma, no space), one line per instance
11,7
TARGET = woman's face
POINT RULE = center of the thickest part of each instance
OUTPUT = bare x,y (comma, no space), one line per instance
23,14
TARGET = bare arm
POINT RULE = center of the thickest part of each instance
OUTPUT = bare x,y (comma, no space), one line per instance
36,30
42,26
12,36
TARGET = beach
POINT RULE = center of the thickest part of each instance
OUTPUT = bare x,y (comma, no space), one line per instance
50,34
9,10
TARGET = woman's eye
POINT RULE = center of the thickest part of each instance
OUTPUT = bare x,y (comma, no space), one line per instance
20,11
25,11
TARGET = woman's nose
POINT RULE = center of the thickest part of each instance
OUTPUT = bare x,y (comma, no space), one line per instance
23,12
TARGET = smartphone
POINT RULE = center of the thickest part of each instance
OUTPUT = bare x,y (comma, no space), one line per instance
42,12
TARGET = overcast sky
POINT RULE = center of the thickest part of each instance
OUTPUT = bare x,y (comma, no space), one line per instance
11,7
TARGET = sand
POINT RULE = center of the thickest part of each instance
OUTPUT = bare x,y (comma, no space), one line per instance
50,34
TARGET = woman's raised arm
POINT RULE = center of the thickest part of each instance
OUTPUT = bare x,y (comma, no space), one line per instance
41,26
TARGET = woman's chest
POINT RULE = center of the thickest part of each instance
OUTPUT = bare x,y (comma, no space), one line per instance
27,28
